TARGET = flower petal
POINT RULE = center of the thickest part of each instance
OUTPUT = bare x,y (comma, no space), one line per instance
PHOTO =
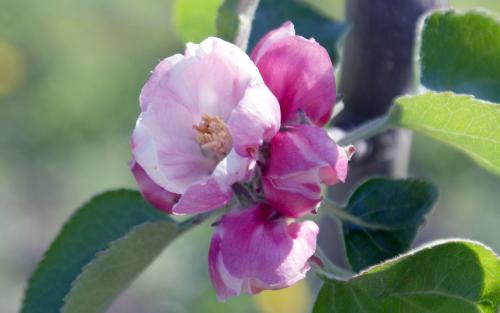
210,78
202,197
152,92
168,153
154,194
271,38
225,285
300,74
293,187
293,195
215,192
214,77
251,250
256,119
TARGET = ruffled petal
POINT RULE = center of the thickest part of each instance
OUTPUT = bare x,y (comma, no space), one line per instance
252,250
202,197
170,156
256,119
312,158
300,74
210,78
215,192
152,92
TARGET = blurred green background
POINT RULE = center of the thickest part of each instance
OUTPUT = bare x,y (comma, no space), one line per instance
70,76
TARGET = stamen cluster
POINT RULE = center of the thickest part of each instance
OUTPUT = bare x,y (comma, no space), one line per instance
213,136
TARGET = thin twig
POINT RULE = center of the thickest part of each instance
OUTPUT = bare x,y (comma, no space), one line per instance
366,130
330,270
245,11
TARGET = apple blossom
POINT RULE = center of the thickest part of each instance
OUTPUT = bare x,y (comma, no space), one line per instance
255,249
203,116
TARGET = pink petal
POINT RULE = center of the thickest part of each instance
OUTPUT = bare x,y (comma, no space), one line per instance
312,158
202,197
152,91
271,38
225,285
300,74
211,78
256,119
252,250
154,194
293,195
215,192
165,147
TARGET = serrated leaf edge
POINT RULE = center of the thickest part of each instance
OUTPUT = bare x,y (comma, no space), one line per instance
110,246
67,224
426,246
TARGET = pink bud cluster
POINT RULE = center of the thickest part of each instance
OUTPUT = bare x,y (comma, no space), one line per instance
214,122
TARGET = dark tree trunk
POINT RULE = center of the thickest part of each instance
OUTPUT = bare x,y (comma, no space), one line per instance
377,66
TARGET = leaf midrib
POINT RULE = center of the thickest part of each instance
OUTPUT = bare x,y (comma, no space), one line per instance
459,135
434,292
404,296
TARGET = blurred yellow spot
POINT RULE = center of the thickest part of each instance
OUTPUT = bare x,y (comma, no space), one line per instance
295,299
11,68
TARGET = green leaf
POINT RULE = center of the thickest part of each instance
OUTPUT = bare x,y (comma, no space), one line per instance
462,121
445,277
459,52
195,19
106,277
99,251
385,217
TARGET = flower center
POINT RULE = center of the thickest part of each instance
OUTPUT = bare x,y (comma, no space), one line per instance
214,137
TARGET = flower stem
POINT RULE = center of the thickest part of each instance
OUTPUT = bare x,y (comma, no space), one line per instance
193,221
342,214
200,218
337,211
329,270
367,130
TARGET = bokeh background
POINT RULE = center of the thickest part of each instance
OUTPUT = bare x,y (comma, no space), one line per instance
70,75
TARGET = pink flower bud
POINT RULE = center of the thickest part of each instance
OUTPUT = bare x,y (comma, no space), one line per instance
301,159
299,72
255,249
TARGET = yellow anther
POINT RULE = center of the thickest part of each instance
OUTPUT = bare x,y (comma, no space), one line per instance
213,136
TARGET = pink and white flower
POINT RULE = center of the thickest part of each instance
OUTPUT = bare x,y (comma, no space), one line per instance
312,158
255,249
300,74
203,116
